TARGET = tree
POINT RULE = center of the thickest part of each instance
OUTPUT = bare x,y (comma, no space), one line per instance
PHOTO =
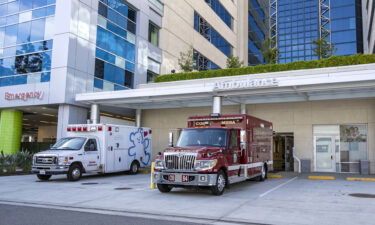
234,62
269,52
186,60
322,48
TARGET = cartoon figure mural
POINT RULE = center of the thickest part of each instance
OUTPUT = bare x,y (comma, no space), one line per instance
140,139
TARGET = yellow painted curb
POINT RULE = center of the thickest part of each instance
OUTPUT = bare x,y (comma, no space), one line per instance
321,178
360,179
274,176
143,171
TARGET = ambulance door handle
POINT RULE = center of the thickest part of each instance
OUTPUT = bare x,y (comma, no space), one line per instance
98,157
331,157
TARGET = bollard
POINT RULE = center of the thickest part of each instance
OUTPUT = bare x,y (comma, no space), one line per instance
152,184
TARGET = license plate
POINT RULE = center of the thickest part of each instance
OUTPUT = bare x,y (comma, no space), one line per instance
181,178
43,172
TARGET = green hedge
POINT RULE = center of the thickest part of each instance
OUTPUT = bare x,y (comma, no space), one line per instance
329,62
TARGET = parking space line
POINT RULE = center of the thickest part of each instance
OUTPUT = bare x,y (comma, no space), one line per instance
277,187
360,179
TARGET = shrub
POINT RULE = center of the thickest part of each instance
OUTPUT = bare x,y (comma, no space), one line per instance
21,160
323,63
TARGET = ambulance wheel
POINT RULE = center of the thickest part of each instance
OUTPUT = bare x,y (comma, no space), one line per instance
74,173
221,180
134,168
43,177
164,188
263,175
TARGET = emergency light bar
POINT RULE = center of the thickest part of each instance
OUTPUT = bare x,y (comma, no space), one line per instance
215,119
86,129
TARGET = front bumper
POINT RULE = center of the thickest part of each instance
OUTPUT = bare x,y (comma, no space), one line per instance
191,179
50,170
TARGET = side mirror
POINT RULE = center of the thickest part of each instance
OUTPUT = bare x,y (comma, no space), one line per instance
170,139
243,139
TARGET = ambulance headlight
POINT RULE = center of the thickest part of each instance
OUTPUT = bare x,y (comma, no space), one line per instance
63,160
159,164
205,164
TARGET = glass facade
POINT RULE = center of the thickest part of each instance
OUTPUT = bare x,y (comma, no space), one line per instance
202,63
258,30
298,26
26,41
208,32
221,11
115,52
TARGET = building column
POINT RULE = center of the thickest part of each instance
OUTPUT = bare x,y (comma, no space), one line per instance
10,131
70,114
138,116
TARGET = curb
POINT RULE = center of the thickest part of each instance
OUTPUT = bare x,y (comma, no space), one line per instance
321,178
360,179
274,176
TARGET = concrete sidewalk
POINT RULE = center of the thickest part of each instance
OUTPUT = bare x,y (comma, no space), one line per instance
288,200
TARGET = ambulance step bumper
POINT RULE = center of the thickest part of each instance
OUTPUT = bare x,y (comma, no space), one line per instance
185,179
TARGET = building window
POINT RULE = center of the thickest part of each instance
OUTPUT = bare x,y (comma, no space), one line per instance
219,9
208,32
26,32
151,76
153,34
202,63
115,52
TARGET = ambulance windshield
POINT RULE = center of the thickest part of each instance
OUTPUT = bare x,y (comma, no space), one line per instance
69,143
203,137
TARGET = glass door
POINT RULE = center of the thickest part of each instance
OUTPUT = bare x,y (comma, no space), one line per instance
325,153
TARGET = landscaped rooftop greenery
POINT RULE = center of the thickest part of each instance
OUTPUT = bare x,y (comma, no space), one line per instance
332,61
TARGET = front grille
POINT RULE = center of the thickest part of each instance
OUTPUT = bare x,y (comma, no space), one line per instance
180,161
46,160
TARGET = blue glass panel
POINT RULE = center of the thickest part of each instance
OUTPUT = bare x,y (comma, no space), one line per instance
343,24
3,21
9,51
119,88
110,72
45,77
10,35
17,80
46,57
13,7
130,52
12,19
342,12
344,36
105,56
116,29
37,30
50,2
26,5
131,27
98,83
39,3
6,81
2,35
8,66
130,66
102,10
50,11
38,13
24,30
338,3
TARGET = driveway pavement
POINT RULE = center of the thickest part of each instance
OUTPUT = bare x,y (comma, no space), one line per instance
292,199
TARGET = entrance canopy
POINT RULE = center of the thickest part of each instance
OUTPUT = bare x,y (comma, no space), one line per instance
345,82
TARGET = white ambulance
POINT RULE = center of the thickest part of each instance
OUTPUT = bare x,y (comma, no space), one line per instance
95,148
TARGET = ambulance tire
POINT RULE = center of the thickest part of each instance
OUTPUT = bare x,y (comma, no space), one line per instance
74,172
43,177
263,175
221,180
134,168
164,188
